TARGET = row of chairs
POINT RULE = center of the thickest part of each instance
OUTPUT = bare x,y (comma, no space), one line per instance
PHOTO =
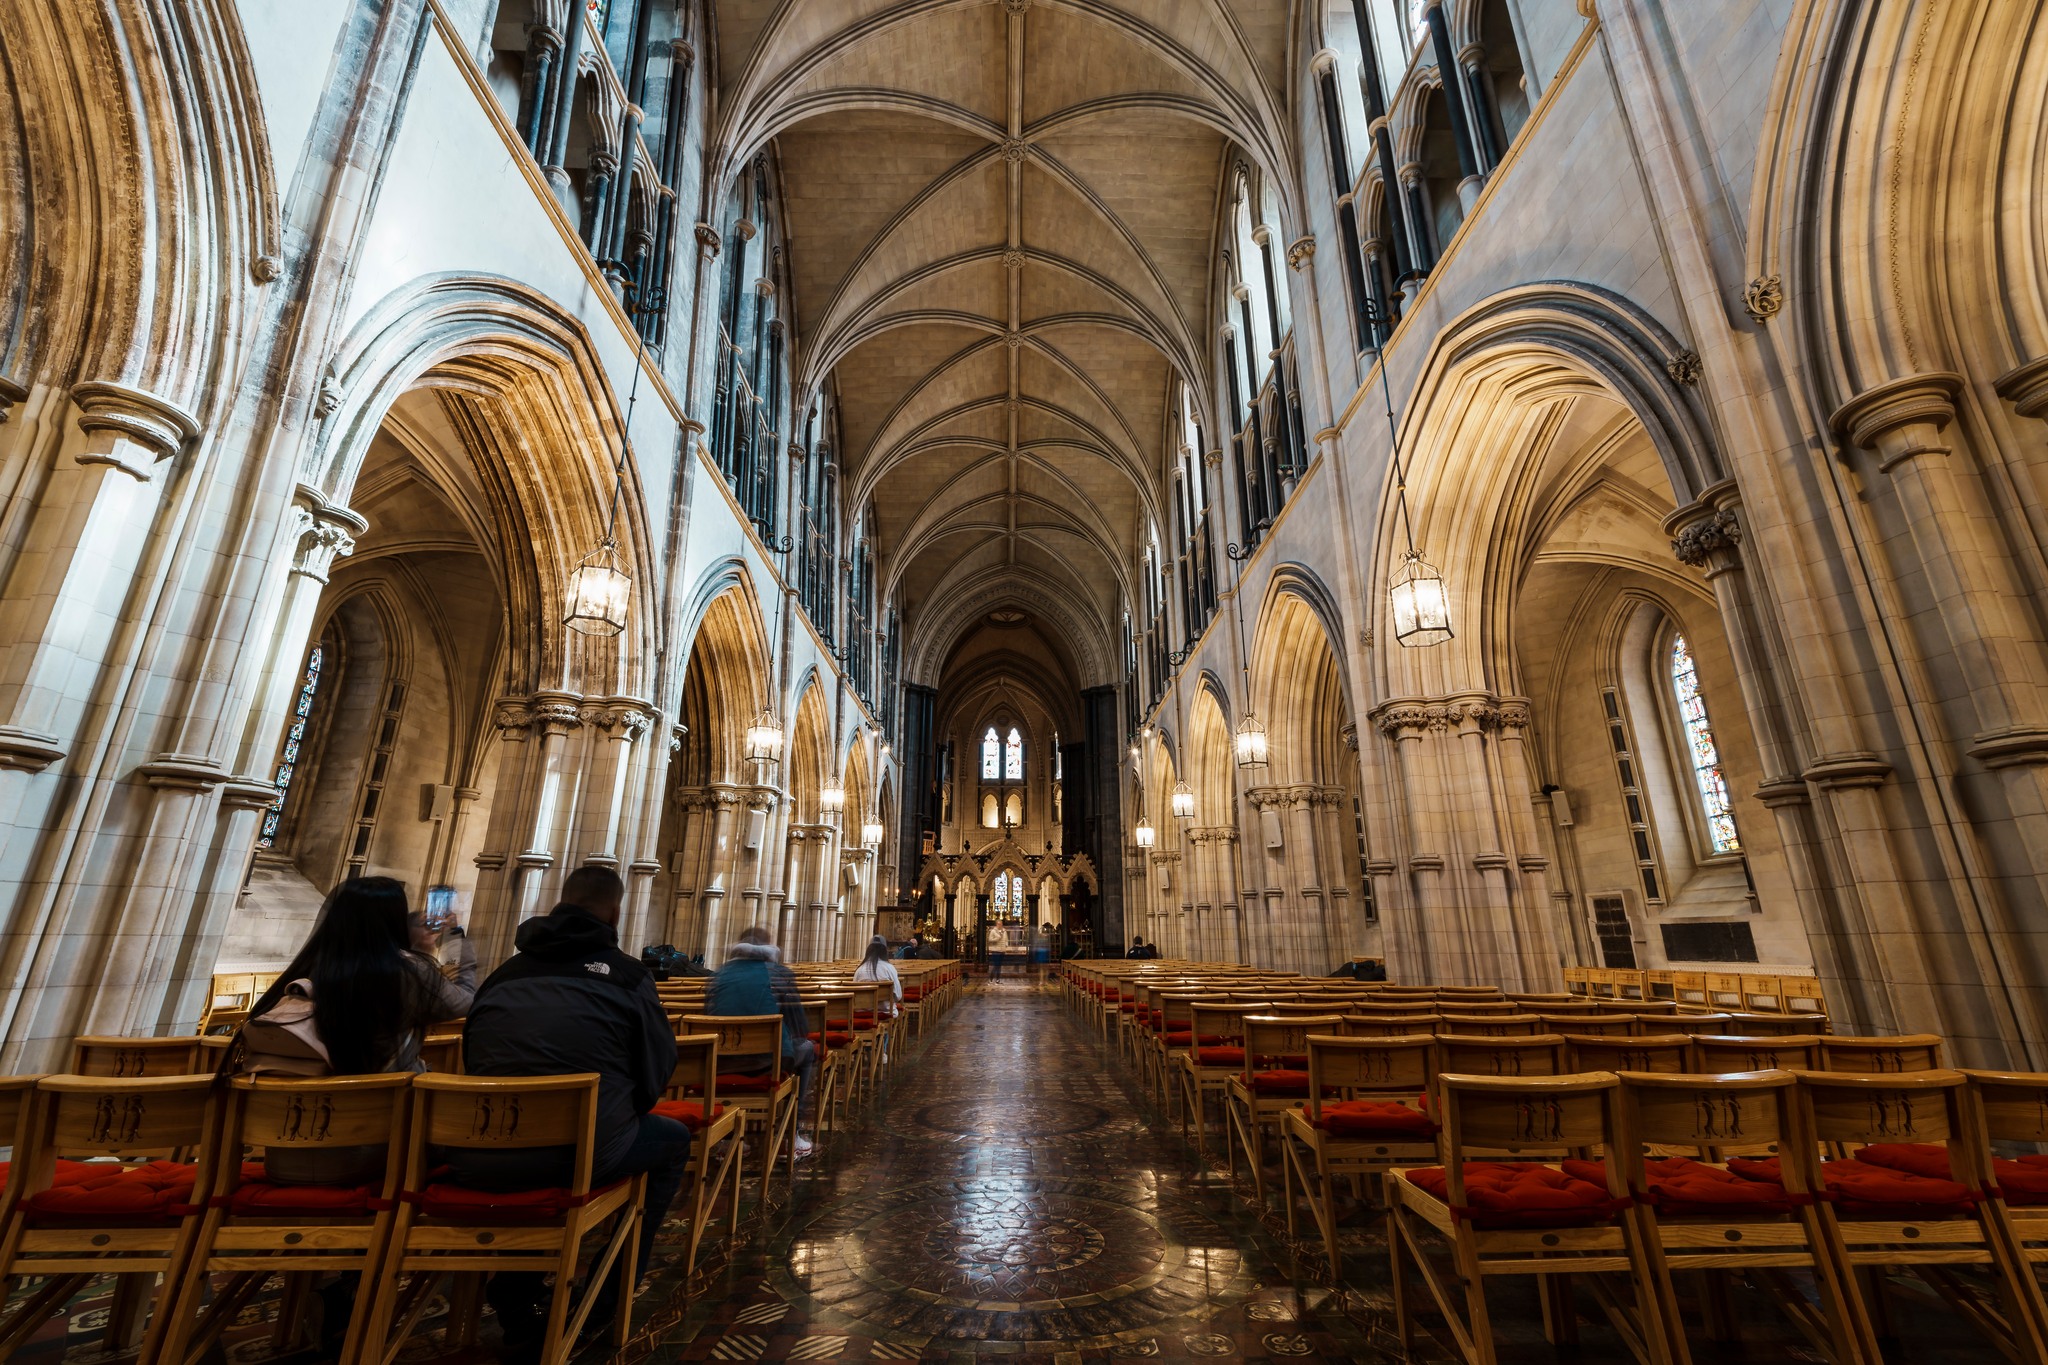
1777,991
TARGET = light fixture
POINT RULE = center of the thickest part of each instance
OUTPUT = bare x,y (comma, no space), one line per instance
598,593
598,590
1183,801
1422,609
1251,742
832,799
1416,591
871,833
764,738
1144,833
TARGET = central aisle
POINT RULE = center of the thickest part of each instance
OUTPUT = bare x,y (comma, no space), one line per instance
1004,1199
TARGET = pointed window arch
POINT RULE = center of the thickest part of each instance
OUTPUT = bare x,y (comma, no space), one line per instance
1013,757
991,756
289,754
1701,753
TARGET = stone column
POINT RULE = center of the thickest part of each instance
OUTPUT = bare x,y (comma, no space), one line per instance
1448,72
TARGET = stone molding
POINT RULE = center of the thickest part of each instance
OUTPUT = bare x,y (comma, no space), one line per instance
1838,772
1921,399
31,751
1710,542
119,418
2019,746
2024,386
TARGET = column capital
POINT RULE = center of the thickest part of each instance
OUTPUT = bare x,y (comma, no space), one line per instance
2026,388
1709,540
128,428
1878,419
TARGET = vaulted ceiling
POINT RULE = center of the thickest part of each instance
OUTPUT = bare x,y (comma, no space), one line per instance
1001,216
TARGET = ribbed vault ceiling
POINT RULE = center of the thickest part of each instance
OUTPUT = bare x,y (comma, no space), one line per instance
1001,221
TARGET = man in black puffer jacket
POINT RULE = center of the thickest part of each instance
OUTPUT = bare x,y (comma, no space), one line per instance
569,1001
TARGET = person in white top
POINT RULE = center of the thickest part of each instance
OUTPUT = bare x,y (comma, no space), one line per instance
876,966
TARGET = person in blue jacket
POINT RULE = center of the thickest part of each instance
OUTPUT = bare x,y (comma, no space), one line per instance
754,981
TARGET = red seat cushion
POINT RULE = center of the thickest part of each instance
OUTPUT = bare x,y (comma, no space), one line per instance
1681,1187
1180,1039
2023,1181
1385,1120
155,1192
499,1206
736,1084
833,1040
1219,1056
257,1195
1510,1194
1284,1081
65,1173
689,1113
912,994
1859,1189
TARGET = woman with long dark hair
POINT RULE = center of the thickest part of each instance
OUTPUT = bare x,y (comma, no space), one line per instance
375,986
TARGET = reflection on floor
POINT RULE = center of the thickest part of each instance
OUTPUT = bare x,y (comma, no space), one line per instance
1015,1195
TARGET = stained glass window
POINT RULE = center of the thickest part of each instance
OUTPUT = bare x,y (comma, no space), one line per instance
1013,757
1006,897
1701,751
991,755
288,755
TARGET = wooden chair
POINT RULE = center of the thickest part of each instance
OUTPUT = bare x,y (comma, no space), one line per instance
1695,1216
1176,1036
769,1099
1685,1022
1391,1025
1921,1223
1274,1080
1577,980
831,1030
1802,995
1765,993
1717,1054
129,1058
444,1229
255,1227
228,1003
1587,1026
1205,1069
1362,1117
1722,990
1757,1025
691,1099
134,1220
2010,1108
1476,1210
1867,1056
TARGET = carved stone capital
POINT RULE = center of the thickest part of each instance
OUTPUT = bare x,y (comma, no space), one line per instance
707,239
622,718
1299,251
2025,387
1711,542
1895,419
1398,716
556,713
128,428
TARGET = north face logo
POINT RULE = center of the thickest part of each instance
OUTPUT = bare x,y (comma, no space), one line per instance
601,968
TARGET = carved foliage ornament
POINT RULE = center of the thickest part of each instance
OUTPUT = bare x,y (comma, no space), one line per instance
1765,297
1684,368
1299,251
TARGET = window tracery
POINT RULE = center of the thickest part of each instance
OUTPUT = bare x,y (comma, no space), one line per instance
294,740
1701,752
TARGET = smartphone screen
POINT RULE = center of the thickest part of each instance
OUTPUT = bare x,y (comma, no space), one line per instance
440,906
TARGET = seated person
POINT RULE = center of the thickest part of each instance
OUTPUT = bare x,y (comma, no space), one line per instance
753,981
569,1001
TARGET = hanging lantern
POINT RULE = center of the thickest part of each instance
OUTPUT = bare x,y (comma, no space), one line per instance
764,738
1144,833
1183,801
598,593
832,799
871,833
1422,607
1251,742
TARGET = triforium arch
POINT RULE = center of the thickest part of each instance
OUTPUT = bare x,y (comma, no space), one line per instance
1549,448
1304,891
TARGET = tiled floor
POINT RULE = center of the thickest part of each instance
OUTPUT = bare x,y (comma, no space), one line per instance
1016,1196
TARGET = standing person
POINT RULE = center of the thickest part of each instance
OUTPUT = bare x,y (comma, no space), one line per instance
569,1001
753,981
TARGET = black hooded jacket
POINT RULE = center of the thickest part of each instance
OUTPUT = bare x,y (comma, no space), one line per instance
570,1001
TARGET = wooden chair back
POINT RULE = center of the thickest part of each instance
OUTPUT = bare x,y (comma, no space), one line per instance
1722,989
120,1117
1759,1025
306,1113
696,1073
1763,993
17,1101
1719,1054
743,1035
1494,1025
503,1113
1525,1116
443,1055
1802,995
1589,1025
1911,1052
1401,1067
1710,1115
1280,1042
1916,1106
130,1058
1698,1023
1668,1053
1391,1025
1541,1055
1223,1021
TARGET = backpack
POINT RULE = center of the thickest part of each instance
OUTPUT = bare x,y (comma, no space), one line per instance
284,1039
